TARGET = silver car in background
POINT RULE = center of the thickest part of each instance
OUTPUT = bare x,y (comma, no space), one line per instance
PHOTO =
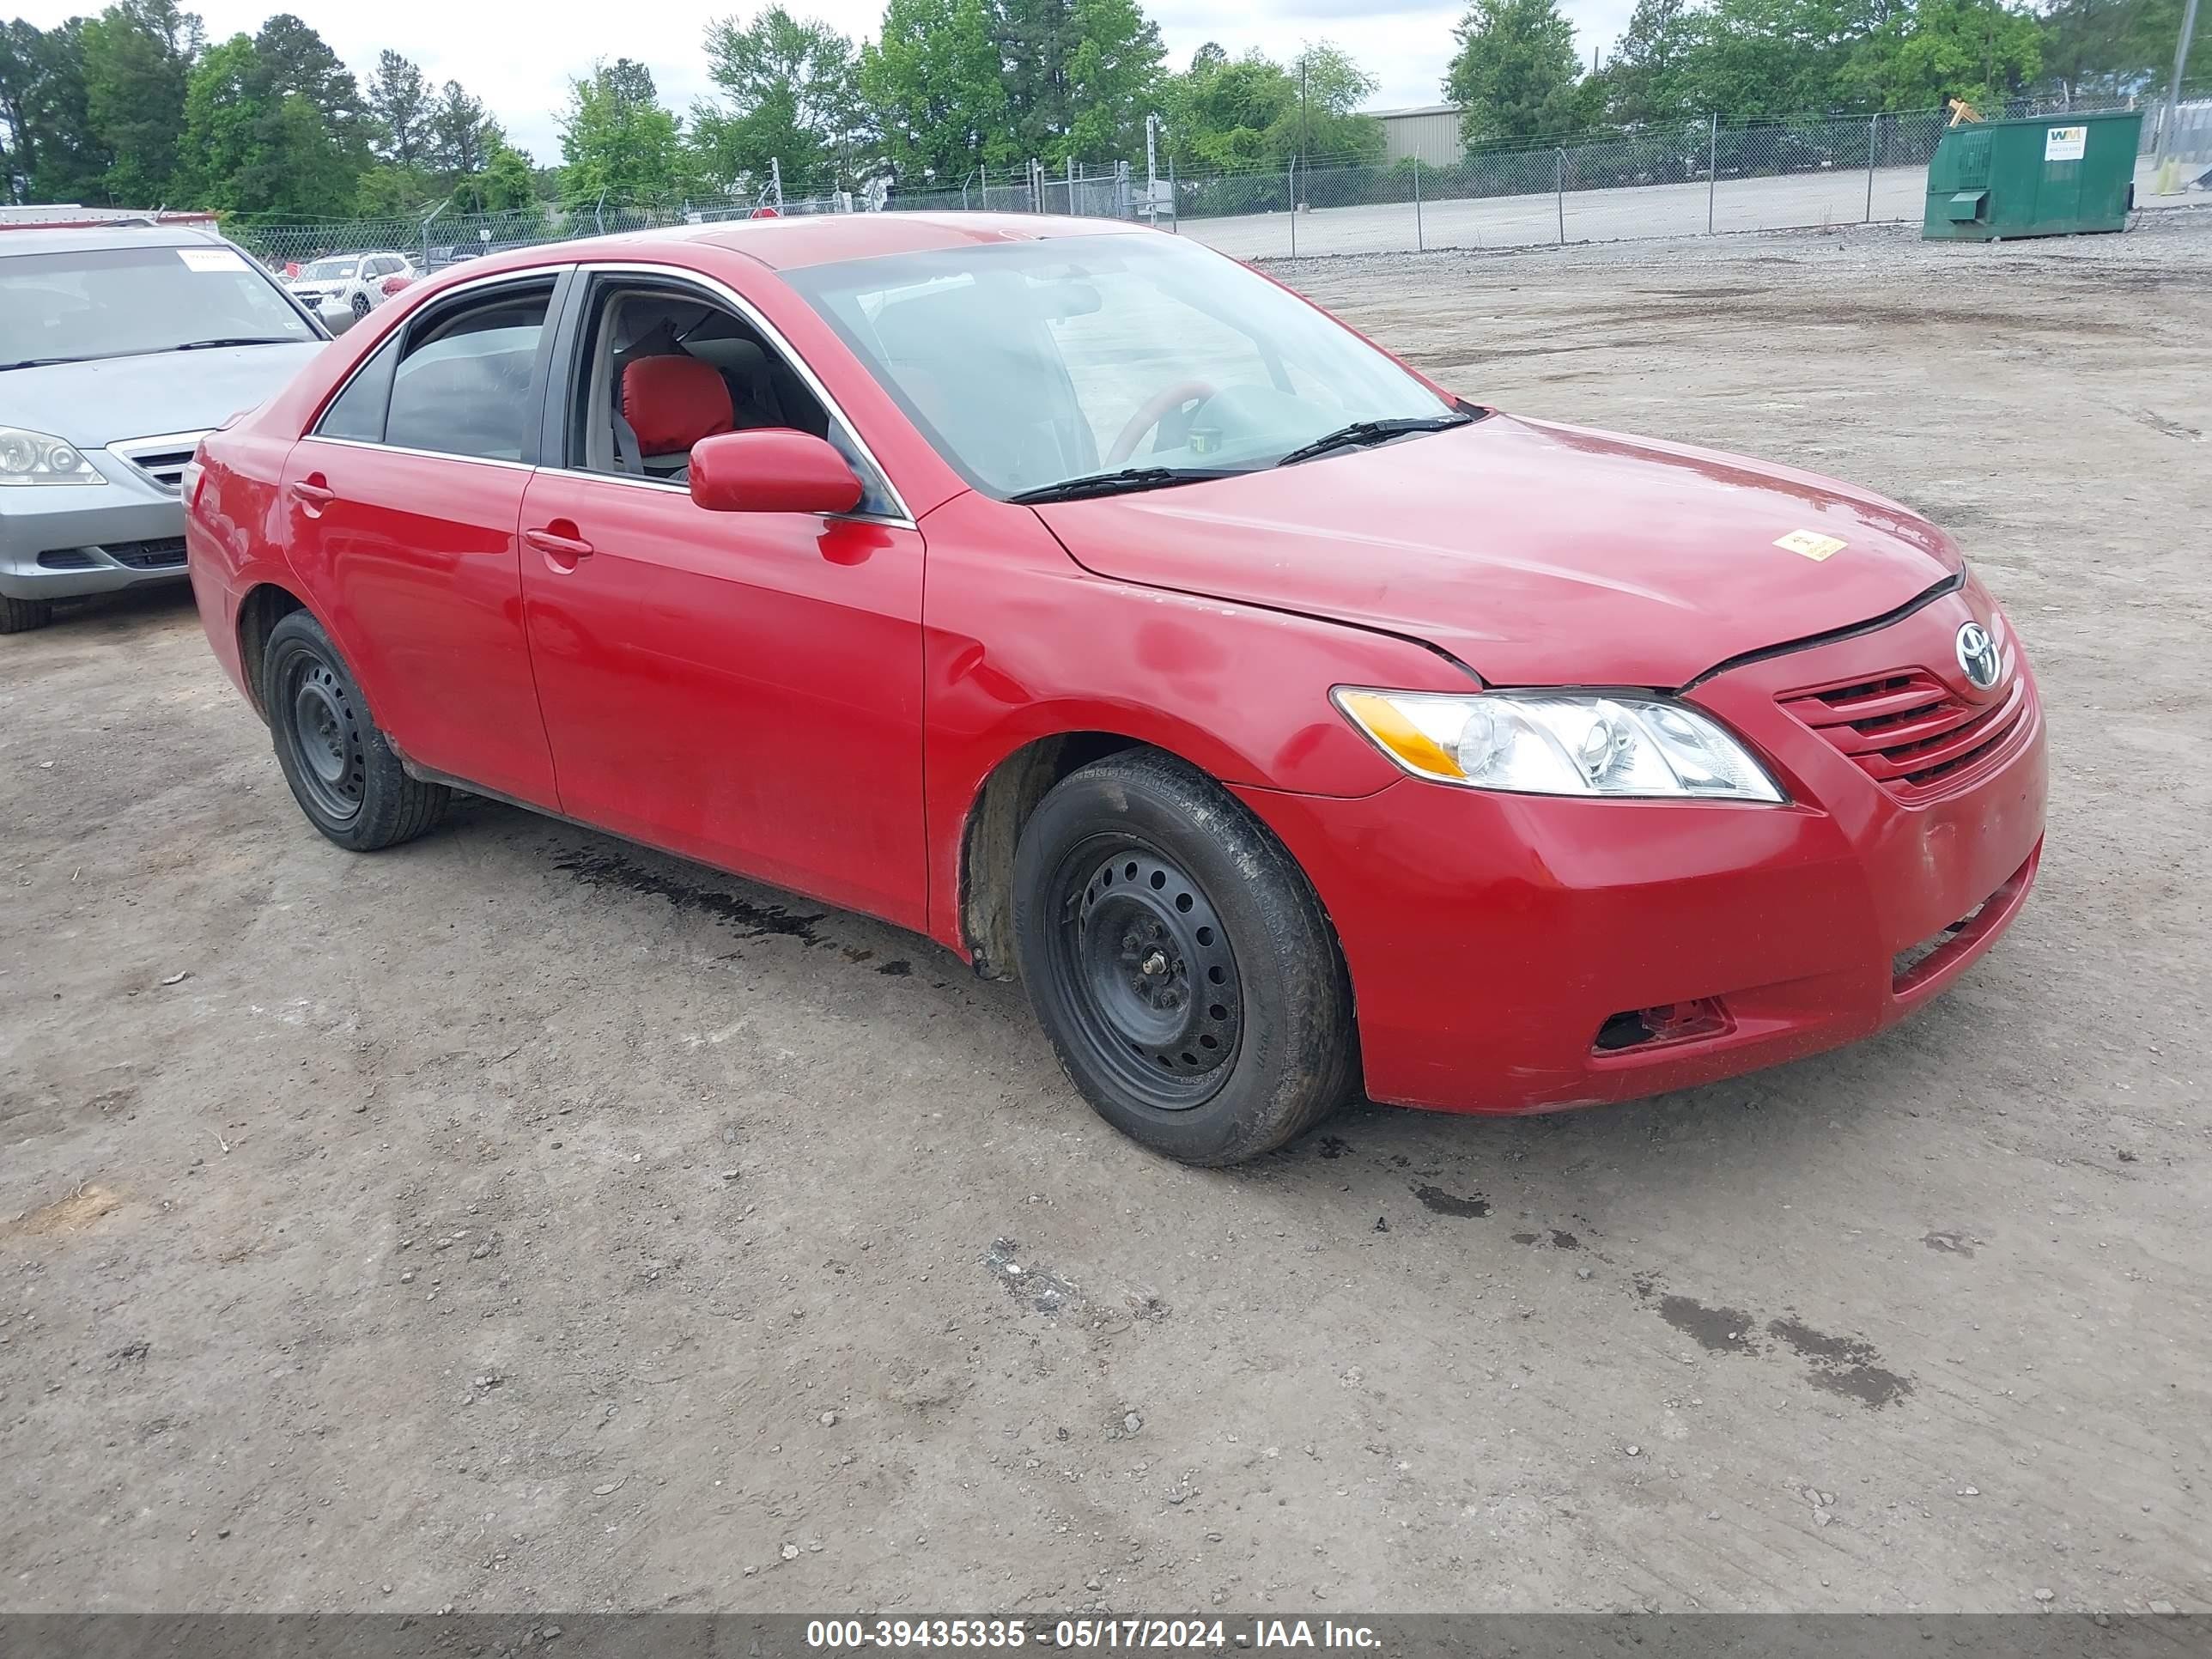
344,287
120,346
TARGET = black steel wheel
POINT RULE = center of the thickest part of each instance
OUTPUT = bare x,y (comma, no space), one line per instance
1147,957
322,727
343,773
1178,959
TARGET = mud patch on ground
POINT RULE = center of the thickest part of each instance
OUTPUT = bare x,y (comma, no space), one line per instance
1441,1202
754,920
1716,1330
1843,1365
1031,1286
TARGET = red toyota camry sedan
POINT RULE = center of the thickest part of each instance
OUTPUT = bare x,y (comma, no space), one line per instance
1090,603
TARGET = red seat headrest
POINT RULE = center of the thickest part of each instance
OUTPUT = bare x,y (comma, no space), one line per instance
671,403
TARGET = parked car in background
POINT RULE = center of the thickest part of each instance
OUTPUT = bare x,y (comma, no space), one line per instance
344,287
1075,595
120,348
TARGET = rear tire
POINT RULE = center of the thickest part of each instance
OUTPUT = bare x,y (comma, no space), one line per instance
1179,961
21,616
343,771
362,305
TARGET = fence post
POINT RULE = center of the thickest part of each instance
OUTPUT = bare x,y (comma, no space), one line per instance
1559,188
434,212
1174,202
1712,170
598,218
1294,207
1874,143
1420,246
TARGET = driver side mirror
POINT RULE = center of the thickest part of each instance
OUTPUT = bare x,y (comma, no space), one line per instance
771,470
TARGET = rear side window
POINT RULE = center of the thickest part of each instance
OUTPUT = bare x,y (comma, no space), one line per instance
462,384
357,412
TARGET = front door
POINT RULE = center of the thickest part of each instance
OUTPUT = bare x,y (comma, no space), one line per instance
741,688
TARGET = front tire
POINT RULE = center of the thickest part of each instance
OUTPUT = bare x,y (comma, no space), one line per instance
343,771
21,616
1179,961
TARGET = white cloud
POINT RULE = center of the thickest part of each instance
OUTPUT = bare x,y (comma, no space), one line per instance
519,58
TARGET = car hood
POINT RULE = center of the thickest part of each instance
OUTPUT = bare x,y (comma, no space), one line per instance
96,403
1536,554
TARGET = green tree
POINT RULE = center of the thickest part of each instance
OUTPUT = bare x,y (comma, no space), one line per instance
1650,75
271,127
617,141
404,110
138,57
935,82
2107,46
1979,50
1220,111
790,92
1111,80
462,136
1516,73
1321,117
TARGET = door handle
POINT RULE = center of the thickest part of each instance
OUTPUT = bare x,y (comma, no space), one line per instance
562,550
314,494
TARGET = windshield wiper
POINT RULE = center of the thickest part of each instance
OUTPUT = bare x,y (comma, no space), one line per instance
237,340
40,362
1361,432
1125,481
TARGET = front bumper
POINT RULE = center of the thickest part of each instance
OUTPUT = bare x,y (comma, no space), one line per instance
1496,943
65,541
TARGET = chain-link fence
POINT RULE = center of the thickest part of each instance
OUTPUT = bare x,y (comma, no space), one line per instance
1695,177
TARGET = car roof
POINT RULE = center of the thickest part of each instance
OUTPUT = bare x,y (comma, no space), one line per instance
798,241
80,238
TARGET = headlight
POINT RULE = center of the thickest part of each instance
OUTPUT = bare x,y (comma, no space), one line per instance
33,458
1560,743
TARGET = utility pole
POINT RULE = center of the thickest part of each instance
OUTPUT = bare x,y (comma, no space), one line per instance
1304,118
1712,170
2173,100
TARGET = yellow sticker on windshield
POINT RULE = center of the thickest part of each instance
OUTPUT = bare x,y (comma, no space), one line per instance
1810,544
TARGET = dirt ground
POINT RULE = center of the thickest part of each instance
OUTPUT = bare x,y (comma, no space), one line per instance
522,1220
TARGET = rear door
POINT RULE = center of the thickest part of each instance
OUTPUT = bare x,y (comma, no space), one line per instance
403,504
741,688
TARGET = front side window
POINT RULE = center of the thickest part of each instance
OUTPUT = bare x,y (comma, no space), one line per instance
134,301
1028,364
462,384
666,365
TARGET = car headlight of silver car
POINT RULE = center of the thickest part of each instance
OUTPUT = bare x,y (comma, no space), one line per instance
33,458
1561,743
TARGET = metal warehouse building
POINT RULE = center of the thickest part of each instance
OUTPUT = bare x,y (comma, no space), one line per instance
1427,131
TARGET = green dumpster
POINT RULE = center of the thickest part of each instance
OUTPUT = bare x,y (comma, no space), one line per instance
2048,175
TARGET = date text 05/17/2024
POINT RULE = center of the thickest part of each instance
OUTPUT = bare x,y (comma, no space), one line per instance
1130,1633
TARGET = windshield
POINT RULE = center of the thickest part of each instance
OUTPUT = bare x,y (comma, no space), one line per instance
1027,364
121,301
328,270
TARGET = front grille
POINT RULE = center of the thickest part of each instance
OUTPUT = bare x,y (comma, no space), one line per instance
1909,731
160,461
148,556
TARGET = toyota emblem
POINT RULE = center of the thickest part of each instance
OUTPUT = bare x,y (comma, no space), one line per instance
1978,655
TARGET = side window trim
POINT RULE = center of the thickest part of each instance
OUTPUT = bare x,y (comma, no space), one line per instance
568,363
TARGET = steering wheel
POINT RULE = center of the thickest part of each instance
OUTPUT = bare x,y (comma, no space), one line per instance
1156,409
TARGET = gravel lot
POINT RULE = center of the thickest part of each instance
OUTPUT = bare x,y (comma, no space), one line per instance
523,1219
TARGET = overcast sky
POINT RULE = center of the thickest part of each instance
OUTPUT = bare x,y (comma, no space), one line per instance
517,57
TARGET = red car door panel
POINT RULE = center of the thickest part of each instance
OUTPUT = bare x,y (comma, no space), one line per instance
415,562
741,688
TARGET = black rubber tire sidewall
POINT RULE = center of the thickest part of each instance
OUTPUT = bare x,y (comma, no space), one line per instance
394,806
1296,1056
21,616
